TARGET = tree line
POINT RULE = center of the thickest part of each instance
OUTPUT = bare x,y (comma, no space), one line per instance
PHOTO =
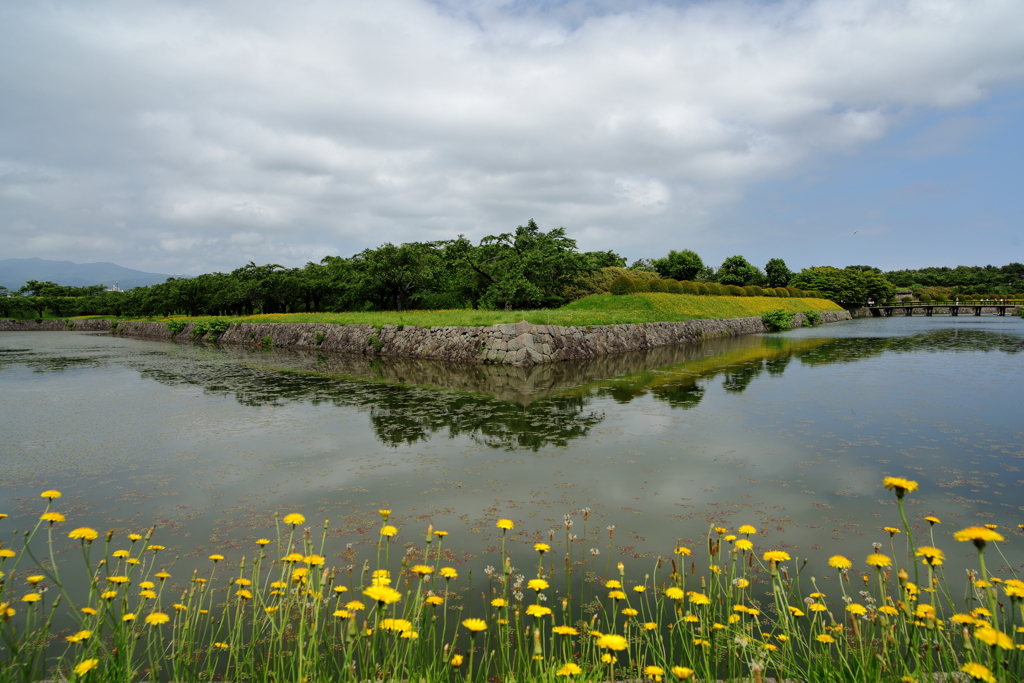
524,269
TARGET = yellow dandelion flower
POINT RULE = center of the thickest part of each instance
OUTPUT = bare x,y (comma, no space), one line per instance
449,573
262,541
629,612
691,619
84,533
222,646
796,612
978,534
744,544
128,617
639,589
899,485
382,594
89,610
612,584
929,555
839,562
616,595
313,560
147,584
564,630
7,552
541,548
569,669
612,642
35,578
51,494
774,556
295,519
440,534
682,672
475,625
654,672
456,660
817,607
698,598
396,625
216,558
499,602
384,513
747,529
422,569
932,520
888,609
244,594
157,618
674,593
878,560
155,548
148,594
388,531
537,584
891,530
87,665
78,637
854,608
824,638
505,524
435,600
994,638
52,517
538,611
31,597
650,626
354,605
978,671
680,550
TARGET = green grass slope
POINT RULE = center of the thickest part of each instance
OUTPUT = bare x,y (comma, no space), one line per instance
598,309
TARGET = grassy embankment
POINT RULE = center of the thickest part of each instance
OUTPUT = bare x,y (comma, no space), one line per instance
291,613
598,309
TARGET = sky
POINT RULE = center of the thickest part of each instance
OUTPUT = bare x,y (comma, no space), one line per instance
188,137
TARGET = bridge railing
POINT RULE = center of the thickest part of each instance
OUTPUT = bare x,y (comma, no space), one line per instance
945,304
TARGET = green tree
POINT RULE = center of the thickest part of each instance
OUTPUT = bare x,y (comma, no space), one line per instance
777,273
525,269
736,270
679,265
849,287
605,259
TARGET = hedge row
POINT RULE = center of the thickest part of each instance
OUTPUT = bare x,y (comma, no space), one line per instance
627,285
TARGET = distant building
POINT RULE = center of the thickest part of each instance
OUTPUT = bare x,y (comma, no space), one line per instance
115,288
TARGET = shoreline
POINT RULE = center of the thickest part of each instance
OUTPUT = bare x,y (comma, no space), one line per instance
519,344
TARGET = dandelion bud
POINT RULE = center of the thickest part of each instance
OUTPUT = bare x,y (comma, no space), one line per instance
430,533
622,569
903,576
110,535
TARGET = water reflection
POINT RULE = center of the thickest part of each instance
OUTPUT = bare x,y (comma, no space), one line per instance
503,407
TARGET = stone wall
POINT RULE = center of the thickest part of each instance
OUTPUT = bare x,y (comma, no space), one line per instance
522,343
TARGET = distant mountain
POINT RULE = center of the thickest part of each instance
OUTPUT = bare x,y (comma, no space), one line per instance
15,272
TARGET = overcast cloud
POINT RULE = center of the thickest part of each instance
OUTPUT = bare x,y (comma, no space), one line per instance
189,137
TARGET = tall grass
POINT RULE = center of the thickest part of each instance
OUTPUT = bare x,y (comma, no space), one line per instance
290,614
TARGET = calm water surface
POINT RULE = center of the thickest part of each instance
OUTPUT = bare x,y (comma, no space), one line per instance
792,433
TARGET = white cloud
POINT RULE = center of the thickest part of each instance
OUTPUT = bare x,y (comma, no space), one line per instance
334,126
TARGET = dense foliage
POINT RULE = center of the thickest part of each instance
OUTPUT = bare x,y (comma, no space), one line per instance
526,269
1008,279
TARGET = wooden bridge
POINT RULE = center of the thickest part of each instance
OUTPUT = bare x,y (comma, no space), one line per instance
998,306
